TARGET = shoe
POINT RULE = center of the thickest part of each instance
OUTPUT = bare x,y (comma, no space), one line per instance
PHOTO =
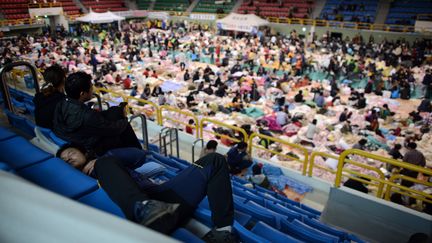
157,215
216,236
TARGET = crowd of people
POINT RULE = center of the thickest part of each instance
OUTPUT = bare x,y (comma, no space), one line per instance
264,83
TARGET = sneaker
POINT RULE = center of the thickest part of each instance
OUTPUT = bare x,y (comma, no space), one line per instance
216,236
157,215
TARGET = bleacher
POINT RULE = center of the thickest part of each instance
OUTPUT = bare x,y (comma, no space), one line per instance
69,7
101,6
209,6
289,8
144,4
260,215
171,5
405,12
365,11
14,9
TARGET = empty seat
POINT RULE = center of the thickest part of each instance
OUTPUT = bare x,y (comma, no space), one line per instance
57,176
272,234
257,212
6,134
184,235
247,236
326,228
290,214
248,195
5,167
21,123
100,200
304,232
18,153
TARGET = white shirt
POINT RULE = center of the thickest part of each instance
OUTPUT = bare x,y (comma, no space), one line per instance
311,131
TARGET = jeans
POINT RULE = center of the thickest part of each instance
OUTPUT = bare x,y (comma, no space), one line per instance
210,176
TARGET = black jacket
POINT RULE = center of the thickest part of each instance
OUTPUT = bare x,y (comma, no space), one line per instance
77,123
44,108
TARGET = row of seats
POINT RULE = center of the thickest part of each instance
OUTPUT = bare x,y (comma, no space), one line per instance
265,9
209,6
405,12
367,14
105,5
171,5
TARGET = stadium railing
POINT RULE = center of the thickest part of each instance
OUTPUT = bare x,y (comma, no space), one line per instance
378,183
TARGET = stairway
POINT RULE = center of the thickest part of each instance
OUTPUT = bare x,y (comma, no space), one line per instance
192,6
81,6
318,7
237,6
383,10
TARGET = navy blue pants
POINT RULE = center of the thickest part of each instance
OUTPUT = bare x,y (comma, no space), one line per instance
209,177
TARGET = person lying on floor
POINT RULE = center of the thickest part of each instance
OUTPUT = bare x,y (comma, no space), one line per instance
166,206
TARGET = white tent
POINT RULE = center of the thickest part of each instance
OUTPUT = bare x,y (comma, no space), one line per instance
241,22
100,18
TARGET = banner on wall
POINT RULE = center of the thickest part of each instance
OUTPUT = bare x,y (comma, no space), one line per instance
202,16
423,26
33,12
158,15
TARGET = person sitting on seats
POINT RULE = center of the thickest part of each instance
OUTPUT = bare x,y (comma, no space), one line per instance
238,159
166,206
96,131
51,94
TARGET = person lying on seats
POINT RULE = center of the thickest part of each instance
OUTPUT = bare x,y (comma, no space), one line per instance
95,131
166,206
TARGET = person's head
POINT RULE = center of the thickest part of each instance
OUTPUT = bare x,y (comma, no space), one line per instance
79,86
385,106
242,146
300,92
256,169
191,122
211,145
55,76
419,238
398,146
412,145
362,142
314,121
73,154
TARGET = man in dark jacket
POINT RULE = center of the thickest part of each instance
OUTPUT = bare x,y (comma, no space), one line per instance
98,132
414,157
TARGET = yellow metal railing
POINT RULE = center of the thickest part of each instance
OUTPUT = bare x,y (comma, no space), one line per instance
206,121
352,174
343,158
397,188
304,151
154,113
187,114
383,186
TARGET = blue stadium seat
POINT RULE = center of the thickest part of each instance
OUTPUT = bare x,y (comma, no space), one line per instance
270,197
263,190
184,235
247,236
151,169
6,134
248,195
304,232
310,210
182,161
56,175
287,200
18,153
5,167
326,228
100,200
154,148
257,212
204,216
60,142
242,218
272,234
21,123
290,214
302,211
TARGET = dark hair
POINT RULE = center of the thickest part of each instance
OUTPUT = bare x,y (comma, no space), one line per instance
212,144
241,145
70,145
419,238
191,121
76,83
314,121
362,141
412,145
256,169
398,146
54,77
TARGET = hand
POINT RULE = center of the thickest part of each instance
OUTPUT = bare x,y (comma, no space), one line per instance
89,167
